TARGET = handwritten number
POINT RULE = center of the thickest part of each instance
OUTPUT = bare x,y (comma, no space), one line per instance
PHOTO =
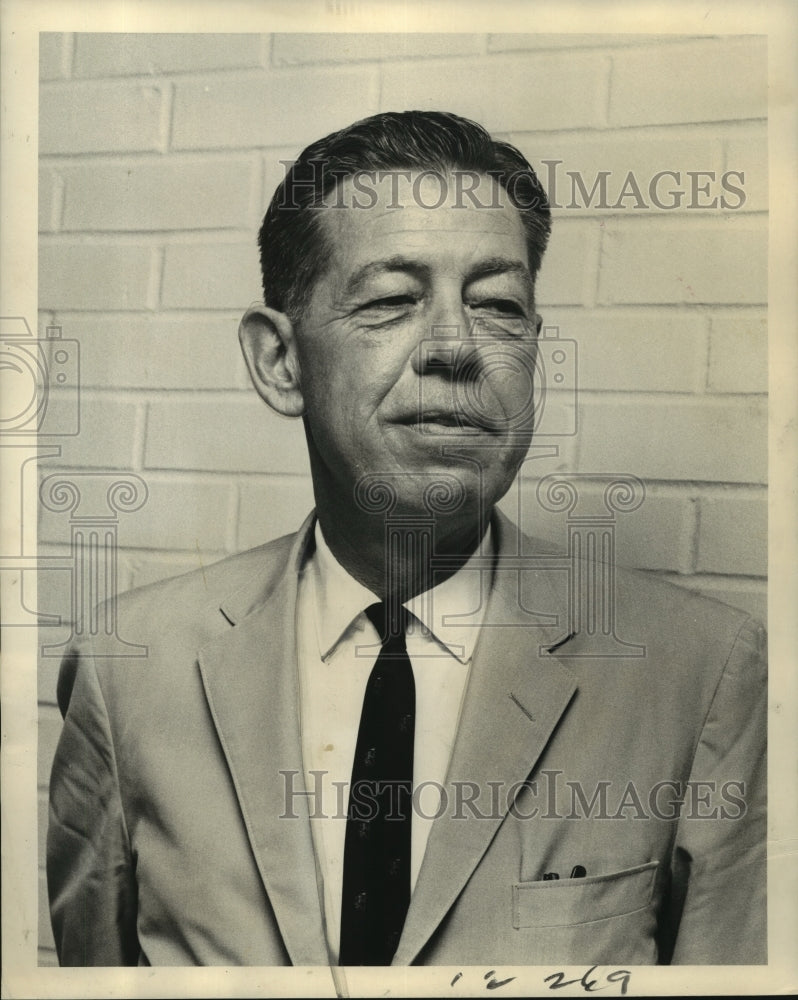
589,984
621,976
558,981
494,984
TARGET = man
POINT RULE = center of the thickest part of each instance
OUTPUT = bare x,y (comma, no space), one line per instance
390,738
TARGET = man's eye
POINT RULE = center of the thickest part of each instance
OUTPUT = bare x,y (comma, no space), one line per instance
499,307
390,302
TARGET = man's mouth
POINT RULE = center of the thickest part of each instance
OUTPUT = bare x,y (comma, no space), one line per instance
443,421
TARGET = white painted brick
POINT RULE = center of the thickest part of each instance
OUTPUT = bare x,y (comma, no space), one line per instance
276,162
187,519
556,416
224,435
44,318
738,352
48,181
698,439
179,514
54,597
128,54
99,118
93,276
152,351
711,262
658,535
748,152
537,90
176,515
106,438
539,462
566,277
750,596
655,536
700,81
641,350
645,156
205,194
51,53
271,509
271,109
347,47
733,535
211,276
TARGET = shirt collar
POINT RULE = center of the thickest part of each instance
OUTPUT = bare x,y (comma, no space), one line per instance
452,611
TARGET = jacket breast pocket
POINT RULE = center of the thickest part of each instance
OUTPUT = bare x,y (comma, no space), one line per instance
566,902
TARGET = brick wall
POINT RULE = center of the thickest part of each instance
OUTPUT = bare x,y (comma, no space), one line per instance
159,154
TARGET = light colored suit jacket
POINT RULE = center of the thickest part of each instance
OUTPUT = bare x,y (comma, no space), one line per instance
174,840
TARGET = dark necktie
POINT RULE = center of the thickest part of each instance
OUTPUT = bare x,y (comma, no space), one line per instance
376,882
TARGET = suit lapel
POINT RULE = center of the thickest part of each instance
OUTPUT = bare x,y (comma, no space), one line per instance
516,694
249,674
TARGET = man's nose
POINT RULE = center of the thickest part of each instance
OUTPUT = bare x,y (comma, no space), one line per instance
448,345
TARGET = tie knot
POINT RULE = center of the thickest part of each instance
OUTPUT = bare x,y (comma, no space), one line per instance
389,618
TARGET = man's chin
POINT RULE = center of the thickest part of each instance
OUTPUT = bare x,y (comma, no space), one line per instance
444,474
454,487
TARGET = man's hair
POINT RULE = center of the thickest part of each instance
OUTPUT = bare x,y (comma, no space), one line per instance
293,251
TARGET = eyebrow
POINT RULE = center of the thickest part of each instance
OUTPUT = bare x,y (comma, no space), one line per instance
406,265
503,265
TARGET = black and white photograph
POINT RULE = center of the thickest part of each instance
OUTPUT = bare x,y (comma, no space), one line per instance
399,494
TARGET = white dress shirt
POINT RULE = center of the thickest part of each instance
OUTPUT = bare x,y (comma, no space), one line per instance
337,647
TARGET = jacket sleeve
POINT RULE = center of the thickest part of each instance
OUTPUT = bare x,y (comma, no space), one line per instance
719,904
90,871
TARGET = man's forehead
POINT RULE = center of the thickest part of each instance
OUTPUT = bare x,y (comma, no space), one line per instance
376,210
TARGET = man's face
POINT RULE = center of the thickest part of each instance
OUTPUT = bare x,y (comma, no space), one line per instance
417,346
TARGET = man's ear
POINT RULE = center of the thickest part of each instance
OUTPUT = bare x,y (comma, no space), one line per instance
267,340
538,323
